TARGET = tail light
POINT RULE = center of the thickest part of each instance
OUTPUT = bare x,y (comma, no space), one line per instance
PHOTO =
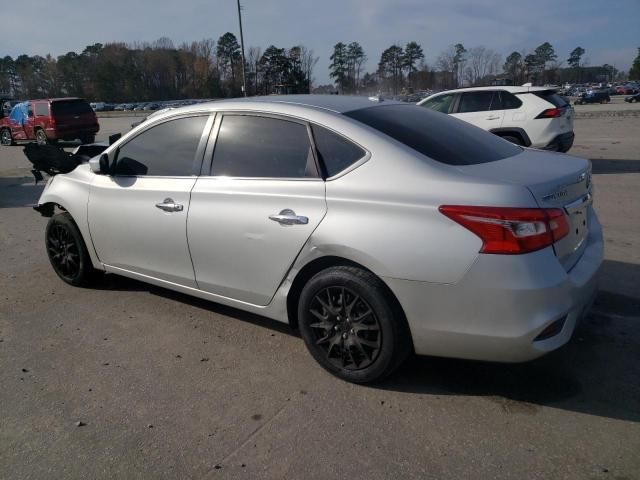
551,113
511,231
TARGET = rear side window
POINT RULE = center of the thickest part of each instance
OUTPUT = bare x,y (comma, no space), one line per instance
336,152
439,104
439,137
505,101
166,150
475,102
42,109
70,107
552,97
262,147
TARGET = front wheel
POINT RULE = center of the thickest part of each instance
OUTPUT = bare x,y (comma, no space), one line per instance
5,137
351,326
67,252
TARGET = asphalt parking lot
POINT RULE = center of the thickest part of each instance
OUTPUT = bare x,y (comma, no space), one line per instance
167,386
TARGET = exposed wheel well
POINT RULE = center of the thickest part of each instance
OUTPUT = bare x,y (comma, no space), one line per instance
511,134
317,265
47,209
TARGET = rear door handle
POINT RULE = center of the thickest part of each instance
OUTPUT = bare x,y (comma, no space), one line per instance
169,206
493,118
289,217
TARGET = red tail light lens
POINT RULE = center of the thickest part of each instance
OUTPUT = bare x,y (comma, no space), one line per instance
551,113
510,231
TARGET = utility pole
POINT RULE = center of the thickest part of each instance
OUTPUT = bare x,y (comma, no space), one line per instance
244,78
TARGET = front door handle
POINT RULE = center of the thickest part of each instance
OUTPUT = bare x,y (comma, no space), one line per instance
289,217
493,118
169,206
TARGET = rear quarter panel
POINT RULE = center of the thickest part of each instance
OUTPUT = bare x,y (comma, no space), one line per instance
384,215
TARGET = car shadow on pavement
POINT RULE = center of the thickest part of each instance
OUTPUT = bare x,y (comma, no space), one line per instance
614,165
123,284
596,373
19,191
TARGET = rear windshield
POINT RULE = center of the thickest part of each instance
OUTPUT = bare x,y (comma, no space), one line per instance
552,97
436,135
70,107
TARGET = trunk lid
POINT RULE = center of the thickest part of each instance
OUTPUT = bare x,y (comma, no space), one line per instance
556,181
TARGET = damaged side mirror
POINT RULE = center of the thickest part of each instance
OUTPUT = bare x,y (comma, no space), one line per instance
100,165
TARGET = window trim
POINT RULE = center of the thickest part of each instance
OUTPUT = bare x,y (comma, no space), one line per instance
213,140
200,150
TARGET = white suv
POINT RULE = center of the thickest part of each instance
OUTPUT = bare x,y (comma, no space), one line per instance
529,116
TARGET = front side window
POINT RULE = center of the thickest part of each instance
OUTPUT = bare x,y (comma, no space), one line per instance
439,104
166,150
336,152
475,102
262,147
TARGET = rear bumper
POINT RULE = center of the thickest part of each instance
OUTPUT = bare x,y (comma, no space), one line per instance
561,143
503,303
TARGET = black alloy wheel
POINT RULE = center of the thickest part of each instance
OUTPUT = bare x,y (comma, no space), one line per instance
352,325
347,329
67,252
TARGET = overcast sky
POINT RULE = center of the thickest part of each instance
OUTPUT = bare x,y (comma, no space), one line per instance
609,31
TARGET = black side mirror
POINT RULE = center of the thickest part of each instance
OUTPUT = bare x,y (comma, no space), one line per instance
104,164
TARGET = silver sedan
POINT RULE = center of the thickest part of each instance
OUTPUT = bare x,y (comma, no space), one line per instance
378,229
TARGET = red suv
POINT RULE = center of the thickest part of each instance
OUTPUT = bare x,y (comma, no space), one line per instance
49,120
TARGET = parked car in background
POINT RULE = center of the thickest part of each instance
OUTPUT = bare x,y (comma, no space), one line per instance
633,98
50,120
593,96
529,116
379,229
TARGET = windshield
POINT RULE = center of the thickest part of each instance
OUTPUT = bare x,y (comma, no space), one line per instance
436,135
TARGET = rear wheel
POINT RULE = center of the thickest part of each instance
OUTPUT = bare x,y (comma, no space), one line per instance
67,252
41,137
351,326
88,139
5,137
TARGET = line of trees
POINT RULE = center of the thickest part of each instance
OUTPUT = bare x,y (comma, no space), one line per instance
208,68
402,69
159,70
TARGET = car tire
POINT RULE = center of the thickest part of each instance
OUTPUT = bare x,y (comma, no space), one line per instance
67,251
352,326
41,137
6,138
88,139
513,139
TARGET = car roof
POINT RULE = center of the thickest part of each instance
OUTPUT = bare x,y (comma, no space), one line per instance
60,99
508,88
334,103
